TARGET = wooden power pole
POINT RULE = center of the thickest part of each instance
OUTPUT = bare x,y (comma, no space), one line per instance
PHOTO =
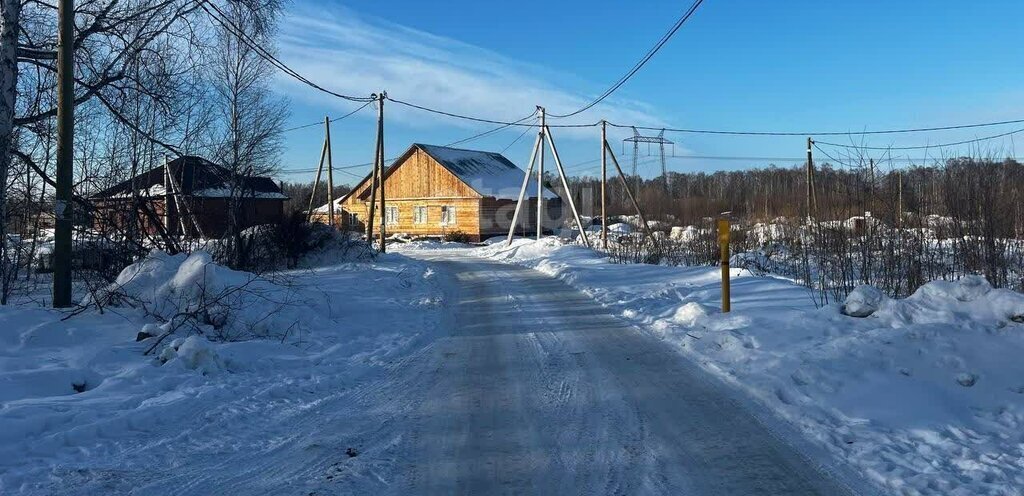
604,185
538,155
540,176
380,160
899,210
316,182
810,176
330,171
63,209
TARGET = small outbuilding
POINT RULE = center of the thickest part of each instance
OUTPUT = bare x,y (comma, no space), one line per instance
189,196
434,190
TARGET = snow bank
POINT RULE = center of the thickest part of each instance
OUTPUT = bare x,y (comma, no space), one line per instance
970,299
83,411
212,299
925,395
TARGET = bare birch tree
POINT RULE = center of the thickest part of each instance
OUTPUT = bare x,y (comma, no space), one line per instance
251,116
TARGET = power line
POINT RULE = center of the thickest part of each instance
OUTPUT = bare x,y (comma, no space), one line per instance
320,123
470,138
503,150
344,168
923,147
481,119
225,22
305,171
820,133
222,19
833,159
639,65
210,146
491,131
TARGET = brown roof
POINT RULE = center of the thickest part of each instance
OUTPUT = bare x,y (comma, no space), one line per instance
196,176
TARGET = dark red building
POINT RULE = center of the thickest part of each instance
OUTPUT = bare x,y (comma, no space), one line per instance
190,196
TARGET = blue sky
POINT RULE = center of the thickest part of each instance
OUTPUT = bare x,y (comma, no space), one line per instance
737,64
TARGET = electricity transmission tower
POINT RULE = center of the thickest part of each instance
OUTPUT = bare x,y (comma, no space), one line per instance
660,140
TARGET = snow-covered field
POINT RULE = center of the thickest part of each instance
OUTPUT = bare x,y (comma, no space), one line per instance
925,396
84,411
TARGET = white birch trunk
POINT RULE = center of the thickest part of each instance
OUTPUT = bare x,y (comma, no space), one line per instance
10,14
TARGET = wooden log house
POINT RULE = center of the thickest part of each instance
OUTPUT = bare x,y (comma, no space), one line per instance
434,190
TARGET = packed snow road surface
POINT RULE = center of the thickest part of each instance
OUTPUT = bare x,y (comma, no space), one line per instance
539,390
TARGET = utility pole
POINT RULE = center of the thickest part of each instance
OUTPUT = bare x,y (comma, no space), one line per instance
316,182
629,194
538,149
330,172
664,168
380,150
871,190
63,209
899,209
636,158
522,190
540,175
810,176
372,213
565,186
604,185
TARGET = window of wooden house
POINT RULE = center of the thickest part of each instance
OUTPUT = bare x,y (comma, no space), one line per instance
391,216
447,216
419,215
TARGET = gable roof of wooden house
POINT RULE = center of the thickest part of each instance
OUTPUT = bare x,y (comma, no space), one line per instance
197,177
489,174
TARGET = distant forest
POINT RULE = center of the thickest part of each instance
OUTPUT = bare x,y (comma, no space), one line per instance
962,188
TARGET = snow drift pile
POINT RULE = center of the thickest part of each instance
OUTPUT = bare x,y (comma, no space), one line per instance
971,299
192,290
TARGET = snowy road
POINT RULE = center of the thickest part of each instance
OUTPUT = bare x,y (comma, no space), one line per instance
539,390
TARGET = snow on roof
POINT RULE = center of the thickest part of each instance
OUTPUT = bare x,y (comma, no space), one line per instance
489,173
223,192
196,176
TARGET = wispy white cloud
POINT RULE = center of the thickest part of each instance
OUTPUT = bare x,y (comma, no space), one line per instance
358,55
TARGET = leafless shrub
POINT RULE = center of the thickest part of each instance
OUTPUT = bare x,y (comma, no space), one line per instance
894,229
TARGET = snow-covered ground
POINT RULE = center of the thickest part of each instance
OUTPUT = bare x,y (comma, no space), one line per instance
83,411
925,396
325,384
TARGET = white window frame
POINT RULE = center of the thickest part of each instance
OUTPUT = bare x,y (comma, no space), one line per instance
449,215
419,214
391,216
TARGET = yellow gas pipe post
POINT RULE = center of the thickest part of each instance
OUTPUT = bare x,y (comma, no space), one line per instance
723,244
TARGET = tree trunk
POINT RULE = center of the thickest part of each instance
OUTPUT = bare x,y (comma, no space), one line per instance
10,13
